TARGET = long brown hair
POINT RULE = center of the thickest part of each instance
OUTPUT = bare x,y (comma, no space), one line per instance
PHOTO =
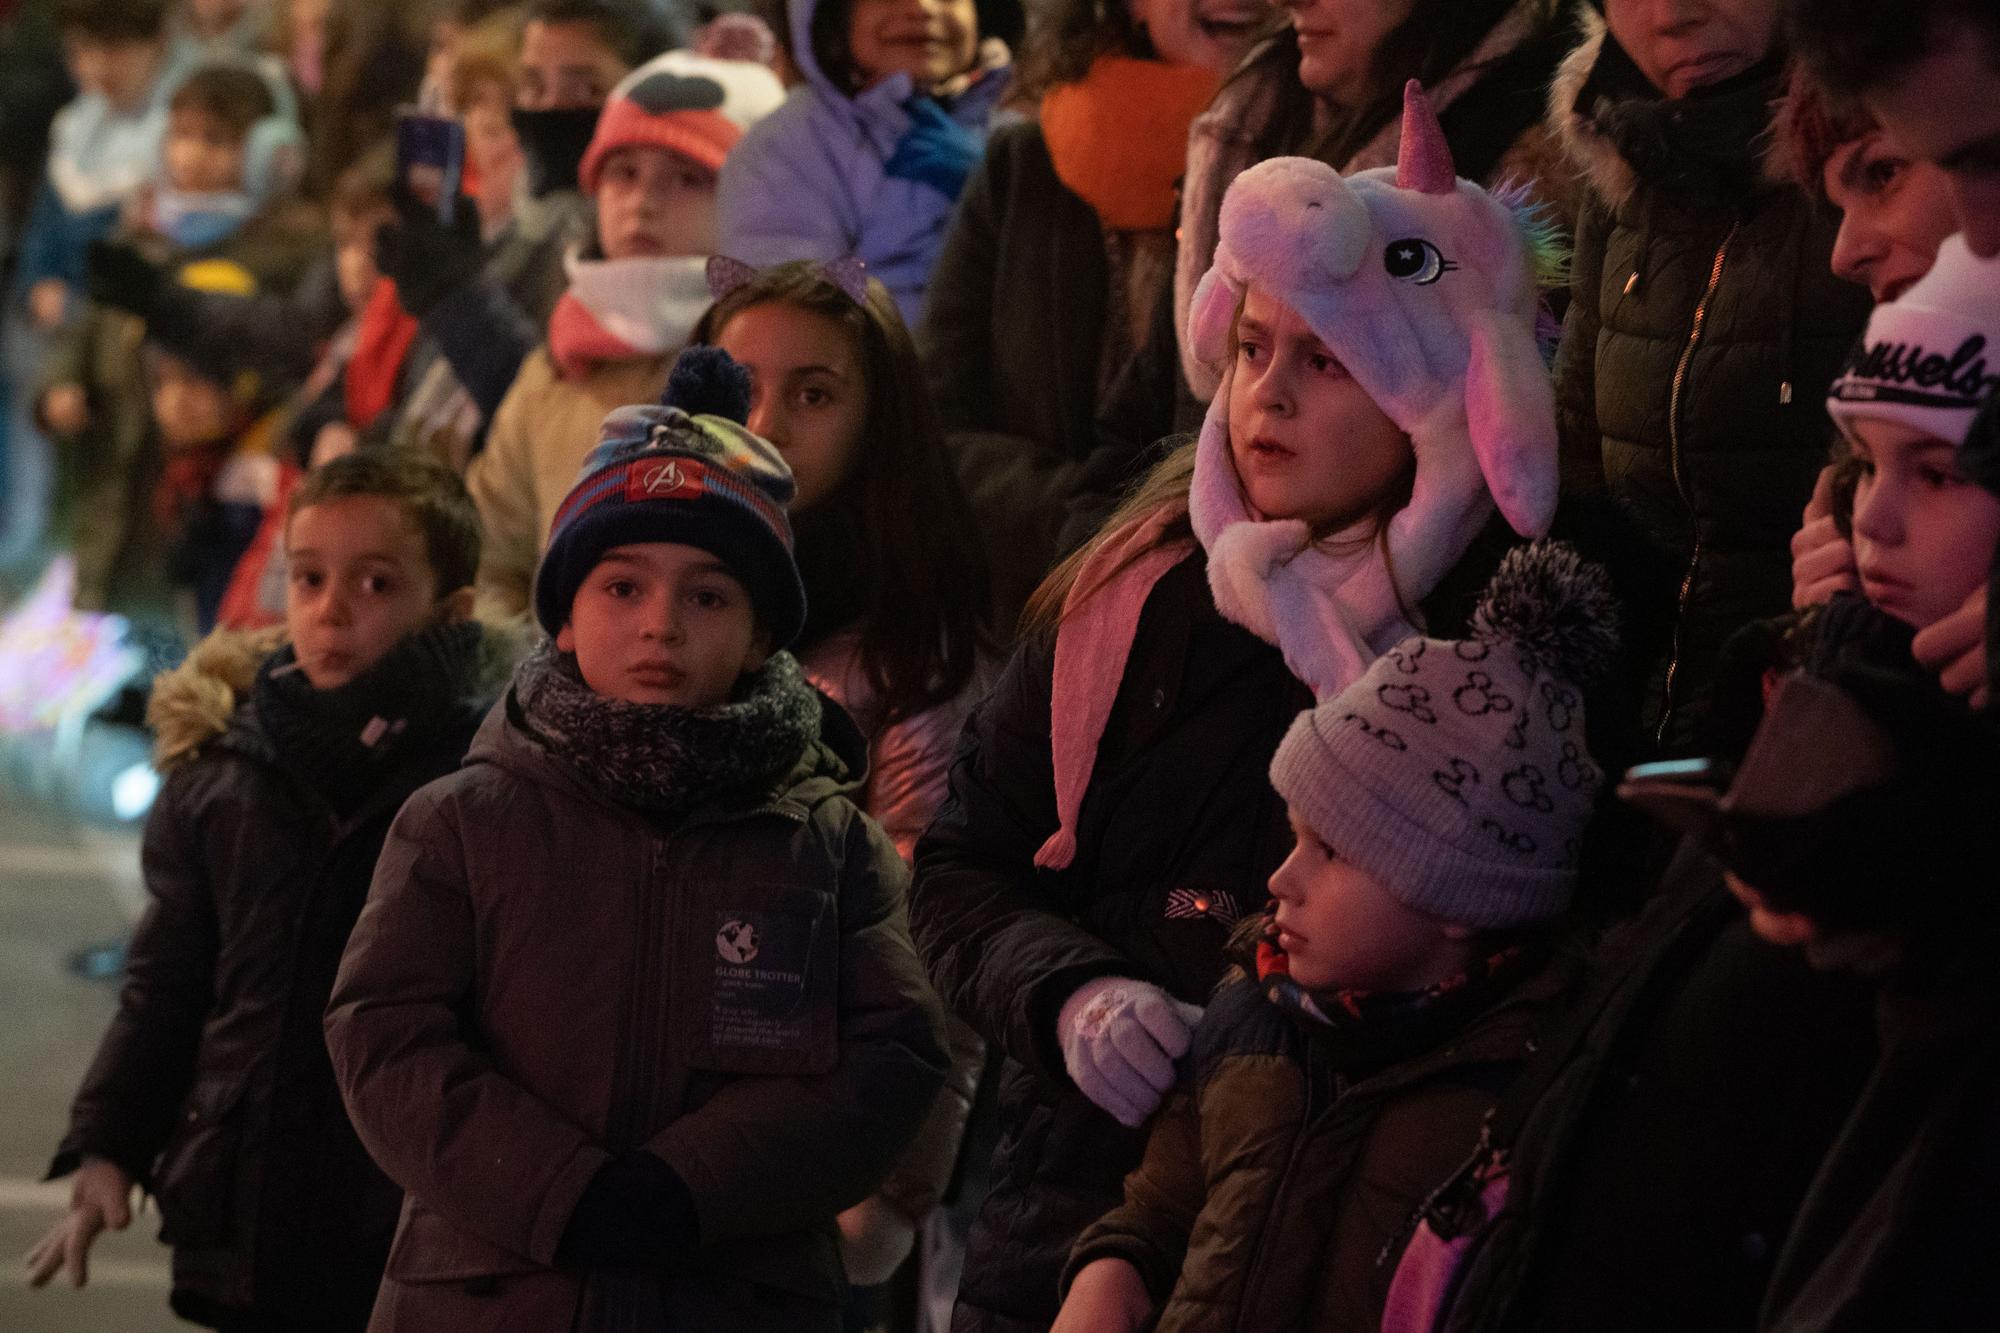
1166,486
900,513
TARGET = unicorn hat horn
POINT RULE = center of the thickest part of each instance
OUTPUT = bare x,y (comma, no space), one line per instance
1424,160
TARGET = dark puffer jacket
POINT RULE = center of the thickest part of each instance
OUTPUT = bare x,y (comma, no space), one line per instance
1703,330
539,985
212,1087
1295,1155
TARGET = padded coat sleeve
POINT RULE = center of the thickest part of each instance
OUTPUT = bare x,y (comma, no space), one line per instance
1001,942
132,1094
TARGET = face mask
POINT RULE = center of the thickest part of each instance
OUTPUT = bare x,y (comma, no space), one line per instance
553,143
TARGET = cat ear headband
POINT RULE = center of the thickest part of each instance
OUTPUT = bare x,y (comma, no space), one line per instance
726,275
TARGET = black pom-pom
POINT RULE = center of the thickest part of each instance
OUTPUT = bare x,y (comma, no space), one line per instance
707,381
1551,601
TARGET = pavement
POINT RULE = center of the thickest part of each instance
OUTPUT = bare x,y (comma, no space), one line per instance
62,886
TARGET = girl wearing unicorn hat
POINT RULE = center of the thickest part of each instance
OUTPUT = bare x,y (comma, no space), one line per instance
1383,397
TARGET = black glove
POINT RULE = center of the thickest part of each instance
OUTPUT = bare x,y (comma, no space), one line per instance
636,1212
119,276
426,259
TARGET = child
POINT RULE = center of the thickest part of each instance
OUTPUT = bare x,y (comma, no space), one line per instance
212,1088
633,298
632,1012
894,632
1335,490
869,154
1375,1012
102,147
218,369
225,168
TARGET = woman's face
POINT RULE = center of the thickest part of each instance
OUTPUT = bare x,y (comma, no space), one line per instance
1682,45
808,392
1214,34
1894,214
1338,40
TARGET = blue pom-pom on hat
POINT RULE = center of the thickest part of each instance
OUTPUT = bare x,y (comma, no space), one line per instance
685,470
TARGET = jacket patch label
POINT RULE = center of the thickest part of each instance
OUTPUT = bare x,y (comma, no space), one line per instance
762,967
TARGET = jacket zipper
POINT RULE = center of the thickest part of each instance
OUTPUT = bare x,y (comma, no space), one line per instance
1680,487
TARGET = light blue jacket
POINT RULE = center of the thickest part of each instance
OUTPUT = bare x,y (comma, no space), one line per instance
809,181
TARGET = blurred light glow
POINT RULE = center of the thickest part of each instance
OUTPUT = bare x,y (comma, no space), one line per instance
133,790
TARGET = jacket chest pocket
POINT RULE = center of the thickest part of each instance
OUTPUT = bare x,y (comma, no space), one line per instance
761,983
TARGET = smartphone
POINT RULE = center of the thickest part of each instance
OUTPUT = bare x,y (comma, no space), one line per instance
430,160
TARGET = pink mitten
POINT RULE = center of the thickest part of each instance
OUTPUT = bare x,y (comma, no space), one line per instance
1120,1038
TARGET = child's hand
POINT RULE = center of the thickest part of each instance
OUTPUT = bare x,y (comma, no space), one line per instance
1822,559
1106,1297
65,409
48,302
1120,1039
100,1197
1955,648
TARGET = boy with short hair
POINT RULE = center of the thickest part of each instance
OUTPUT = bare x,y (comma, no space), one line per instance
633,1012
283,768
102,147
1393,989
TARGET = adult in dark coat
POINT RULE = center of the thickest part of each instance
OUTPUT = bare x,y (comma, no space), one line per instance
213,1089
1048,278
1703,327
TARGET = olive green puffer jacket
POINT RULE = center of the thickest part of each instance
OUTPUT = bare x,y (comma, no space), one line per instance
1703,330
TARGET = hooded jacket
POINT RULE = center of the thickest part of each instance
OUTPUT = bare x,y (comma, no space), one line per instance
539,983
1703,329
811,181
212,1087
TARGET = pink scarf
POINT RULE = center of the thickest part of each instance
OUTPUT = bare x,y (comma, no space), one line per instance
1099,618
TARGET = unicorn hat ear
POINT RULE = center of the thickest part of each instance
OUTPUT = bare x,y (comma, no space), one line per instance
1210,315
1423,162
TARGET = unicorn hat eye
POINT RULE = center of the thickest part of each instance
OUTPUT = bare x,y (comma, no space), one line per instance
1414,259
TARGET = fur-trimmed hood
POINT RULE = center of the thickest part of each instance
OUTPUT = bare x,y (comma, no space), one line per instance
196,701
1589,148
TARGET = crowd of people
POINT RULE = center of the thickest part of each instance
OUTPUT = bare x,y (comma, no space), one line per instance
1142,664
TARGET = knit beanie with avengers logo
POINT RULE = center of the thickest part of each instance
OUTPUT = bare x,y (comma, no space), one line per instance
1931,356
1456,772
684,470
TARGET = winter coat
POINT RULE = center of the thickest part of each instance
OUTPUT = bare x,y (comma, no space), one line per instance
810,180
1702,332
545,427
1287,1164
110,466
1014,328
1178,799
1664,1138
212,1087
534,988
1898,1229
1489,107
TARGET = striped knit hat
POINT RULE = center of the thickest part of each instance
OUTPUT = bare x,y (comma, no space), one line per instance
685,471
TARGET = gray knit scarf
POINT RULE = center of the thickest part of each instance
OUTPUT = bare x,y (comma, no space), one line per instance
663,759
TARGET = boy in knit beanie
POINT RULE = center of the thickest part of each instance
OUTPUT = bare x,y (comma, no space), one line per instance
1397,982
632,1012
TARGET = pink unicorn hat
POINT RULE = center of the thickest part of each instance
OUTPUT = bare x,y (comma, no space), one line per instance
1426,286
